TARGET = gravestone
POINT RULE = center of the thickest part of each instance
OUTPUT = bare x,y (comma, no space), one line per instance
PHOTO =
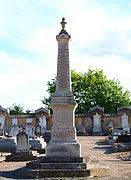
38,131
124,138
14,131
38,145
1,130
125,124
30,130
47,136
22,149
22,142
97,124
2,121
7,145
110,125
2,125
42,123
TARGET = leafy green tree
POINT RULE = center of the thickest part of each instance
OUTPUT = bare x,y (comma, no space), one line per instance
16,109
93,88
51,89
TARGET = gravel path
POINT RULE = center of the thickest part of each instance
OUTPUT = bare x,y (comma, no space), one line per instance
94,147
99,151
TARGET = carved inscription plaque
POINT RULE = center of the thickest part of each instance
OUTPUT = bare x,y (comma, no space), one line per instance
65,134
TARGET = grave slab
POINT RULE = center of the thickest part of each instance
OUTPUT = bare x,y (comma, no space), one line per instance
22,149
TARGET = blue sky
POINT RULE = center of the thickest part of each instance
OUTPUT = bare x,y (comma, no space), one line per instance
101,38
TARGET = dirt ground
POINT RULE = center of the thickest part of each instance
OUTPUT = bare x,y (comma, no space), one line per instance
99,152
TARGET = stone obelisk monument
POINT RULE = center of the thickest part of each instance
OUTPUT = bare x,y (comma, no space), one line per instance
63,153
63,135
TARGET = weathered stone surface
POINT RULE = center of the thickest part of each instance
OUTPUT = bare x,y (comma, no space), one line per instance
63,69
97,124
57,167
20,157
22,142
43,173
64,149
125,123
30,130
47,136
7,145
58,159
22,149
14,131
63,134
121,147
38,145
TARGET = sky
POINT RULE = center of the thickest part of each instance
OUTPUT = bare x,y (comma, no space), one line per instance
100,38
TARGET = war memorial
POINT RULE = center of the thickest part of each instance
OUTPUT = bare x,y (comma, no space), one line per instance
63,153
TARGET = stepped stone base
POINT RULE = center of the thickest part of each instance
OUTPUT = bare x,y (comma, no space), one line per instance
42,173
18,157
57,167
63,167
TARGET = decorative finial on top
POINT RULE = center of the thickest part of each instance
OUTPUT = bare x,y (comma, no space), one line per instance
63,23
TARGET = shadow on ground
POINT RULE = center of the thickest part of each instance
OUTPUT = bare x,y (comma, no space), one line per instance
14,174
104,145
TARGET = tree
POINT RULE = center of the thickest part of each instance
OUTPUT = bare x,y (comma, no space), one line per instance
51,89
93,88
16,109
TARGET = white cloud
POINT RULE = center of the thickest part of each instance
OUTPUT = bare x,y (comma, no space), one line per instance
99,39
22,81
42,41
113,66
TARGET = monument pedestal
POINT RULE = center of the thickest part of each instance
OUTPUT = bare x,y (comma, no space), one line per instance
58,167
63,134
63,149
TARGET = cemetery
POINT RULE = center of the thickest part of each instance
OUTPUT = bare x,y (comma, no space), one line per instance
49,145
96,122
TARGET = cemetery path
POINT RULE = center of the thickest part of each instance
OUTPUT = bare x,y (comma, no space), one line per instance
99,152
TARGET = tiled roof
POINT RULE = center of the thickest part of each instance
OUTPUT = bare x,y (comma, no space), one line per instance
42,110
97,107
2,109
123,107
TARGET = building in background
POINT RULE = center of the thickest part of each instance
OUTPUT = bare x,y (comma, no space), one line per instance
96,122
34,123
